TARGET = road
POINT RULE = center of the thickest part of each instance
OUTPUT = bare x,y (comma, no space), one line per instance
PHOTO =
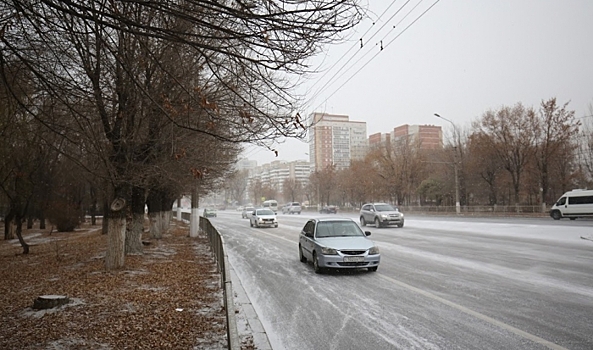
443,283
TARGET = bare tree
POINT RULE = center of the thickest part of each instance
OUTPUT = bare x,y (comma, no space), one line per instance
485,168
150,70
359,181
292,189
256,191
400,165
236,184
326,179
586,146
509,131
555,129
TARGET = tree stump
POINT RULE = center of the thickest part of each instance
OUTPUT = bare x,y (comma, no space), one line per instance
50,301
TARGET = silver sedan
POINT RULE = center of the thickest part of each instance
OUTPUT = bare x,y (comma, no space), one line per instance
337,243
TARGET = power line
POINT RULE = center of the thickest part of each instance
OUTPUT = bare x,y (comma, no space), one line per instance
355,45
389,43
330,80
393,28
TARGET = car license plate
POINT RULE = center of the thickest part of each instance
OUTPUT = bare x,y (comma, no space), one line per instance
353,258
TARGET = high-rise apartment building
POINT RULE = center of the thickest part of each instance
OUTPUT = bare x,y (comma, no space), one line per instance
275,173
429,136
335,140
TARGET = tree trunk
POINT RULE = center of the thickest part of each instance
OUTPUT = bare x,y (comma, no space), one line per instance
154,229
136,225
544,188
166,211
194,220
154,208
115,255
29,222
164,222
105,221
19,234
42,221
8,233
134,235
93,208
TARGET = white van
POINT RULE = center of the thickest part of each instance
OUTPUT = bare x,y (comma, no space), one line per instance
271,204
573,204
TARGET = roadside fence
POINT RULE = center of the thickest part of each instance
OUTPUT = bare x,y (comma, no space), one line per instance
217,246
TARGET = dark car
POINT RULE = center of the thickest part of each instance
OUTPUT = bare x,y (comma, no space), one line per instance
337,244
329,209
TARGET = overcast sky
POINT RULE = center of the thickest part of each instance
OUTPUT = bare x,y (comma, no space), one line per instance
460,59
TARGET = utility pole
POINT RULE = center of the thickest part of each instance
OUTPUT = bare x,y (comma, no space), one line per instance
457,204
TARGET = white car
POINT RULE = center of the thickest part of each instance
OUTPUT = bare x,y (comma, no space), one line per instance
263,218
292,208
246,213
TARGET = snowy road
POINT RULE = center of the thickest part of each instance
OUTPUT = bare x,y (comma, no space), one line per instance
443,283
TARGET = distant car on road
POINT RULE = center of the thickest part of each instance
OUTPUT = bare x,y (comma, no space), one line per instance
329,209
209,213
246,213
292,208
271,204
337,244
263,218
381,214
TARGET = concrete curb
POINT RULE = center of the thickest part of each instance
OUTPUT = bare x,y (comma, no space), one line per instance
248,322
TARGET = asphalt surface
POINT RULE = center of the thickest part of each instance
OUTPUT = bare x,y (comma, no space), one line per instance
443,283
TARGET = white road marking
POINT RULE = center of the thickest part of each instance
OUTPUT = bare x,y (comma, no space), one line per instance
473,313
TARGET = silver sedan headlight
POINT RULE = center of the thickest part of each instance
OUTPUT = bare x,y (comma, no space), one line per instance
374,250
383,216
328,251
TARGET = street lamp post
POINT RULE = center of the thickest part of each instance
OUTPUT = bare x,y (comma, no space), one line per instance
457,204
317,179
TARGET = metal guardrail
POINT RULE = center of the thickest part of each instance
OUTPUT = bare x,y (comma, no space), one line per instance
217,246
222,262
510,210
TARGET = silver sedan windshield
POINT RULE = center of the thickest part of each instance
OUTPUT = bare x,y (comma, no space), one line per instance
338,229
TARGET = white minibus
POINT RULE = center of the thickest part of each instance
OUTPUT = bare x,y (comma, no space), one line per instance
573,204
271,204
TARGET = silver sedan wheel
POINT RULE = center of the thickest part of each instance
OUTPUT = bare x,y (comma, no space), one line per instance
316,263
301,256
